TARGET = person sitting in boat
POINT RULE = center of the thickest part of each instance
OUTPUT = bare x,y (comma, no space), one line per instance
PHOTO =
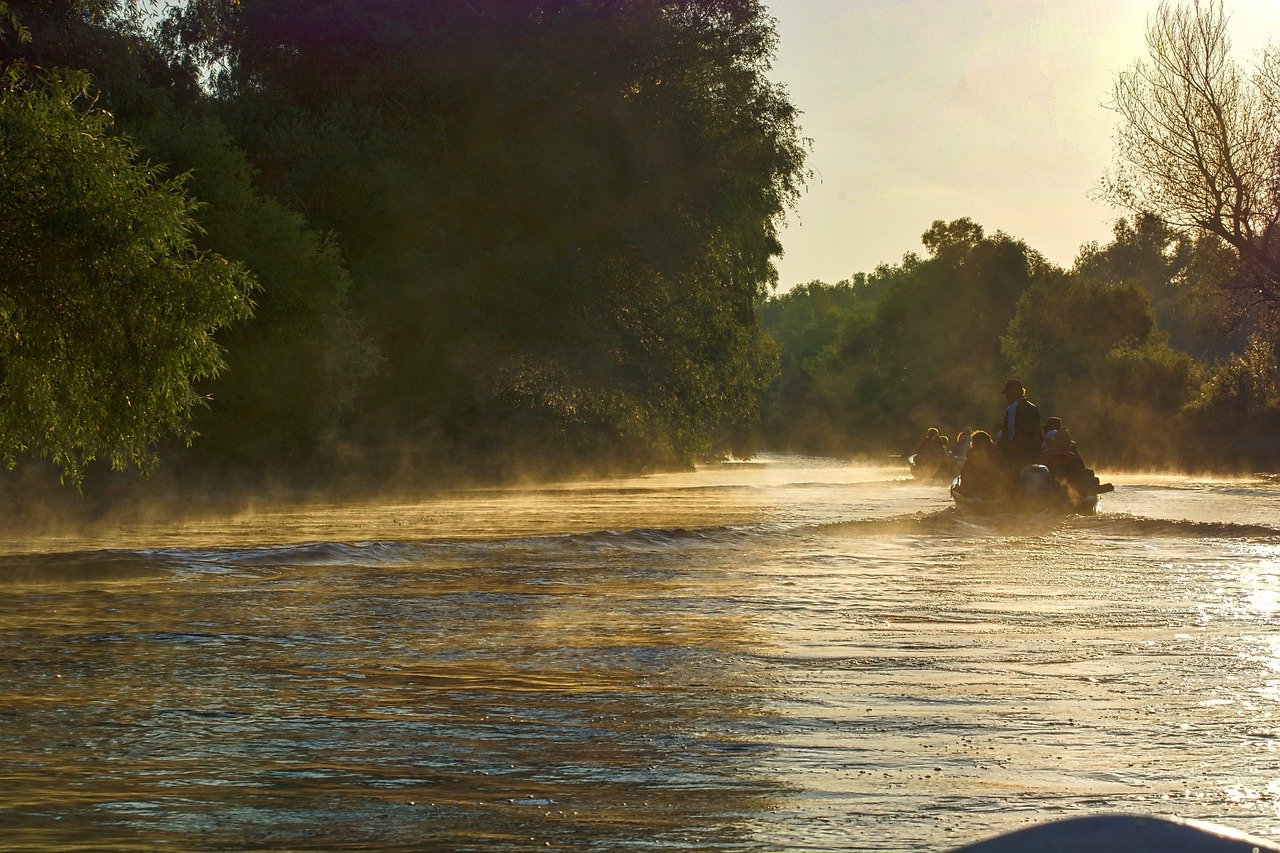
931,449
1020,435
984,474
1051,426
932,458
1064,462
962,444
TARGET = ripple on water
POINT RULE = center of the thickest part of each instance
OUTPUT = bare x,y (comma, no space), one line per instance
746,658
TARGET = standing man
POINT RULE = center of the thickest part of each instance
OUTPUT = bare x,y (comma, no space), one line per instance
1020,434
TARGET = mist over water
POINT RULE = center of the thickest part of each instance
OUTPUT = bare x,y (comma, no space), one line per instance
792,653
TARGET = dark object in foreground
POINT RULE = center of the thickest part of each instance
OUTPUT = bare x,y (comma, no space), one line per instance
1119,833
1035,490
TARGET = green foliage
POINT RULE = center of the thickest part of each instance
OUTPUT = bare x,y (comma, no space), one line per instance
294,370
107,309
1238,409
930,341
806,319
806,322
1184,277
921,347
11,26
1066,324
559,216
1243,385
1098,361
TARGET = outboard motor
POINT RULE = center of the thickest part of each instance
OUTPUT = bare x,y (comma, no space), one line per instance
1036,486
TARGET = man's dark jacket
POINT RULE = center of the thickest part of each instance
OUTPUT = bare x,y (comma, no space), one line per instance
1024,445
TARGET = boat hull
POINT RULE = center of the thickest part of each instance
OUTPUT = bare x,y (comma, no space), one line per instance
980,506
1036,491
935,470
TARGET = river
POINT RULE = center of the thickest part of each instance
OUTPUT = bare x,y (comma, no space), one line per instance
791,653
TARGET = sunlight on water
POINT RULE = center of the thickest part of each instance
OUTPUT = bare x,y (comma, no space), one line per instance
787,653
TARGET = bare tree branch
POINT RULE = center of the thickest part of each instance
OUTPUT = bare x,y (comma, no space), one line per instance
1198,142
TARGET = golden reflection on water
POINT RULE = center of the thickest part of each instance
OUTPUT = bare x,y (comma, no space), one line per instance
793,655
508,693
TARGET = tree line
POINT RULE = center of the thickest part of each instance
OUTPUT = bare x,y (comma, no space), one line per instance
1137,348
1157,349
438,237
473,239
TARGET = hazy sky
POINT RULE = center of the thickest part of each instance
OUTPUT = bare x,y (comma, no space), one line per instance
936,109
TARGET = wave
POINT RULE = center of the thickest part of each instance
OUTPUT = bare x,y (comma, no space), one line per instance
115,565
949,523
943,522
1129,526
84,567
637,539
118,565
571,491
587,491
308,554
1250,489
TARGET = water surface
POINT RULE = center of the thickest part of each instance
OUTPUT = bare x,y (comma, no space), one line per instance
788,654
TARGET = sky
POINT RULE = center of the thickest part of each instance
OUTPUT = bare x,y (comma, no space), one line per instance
936,109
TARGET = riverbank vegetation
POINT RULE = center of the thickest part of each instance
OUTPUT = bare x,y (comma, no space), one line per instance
478,237
1138,347
426,242
1157,349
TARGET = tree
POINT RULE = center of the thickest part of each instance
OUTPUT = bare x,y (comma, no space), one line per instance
1182,274
805,322
1237,413
107,309
559,215
293,370
1065,324
1198,140
1103,366
918,346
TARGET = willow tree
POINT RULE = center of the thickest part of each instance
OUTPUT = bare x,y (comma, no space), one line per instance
1198,142
107,310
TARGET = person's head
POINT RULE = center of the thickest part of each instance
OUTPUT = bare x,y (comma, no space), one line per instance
931,433
1013,389
1052,424
980,439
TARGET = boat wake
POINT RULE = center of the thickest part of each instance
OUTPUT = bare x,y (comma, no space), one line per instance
1132,526
84,567
143,565
121,565
943,522
949,522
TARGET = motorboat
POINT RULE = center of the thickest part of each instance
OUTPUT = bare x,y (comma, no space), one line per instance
936,468
1035,491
